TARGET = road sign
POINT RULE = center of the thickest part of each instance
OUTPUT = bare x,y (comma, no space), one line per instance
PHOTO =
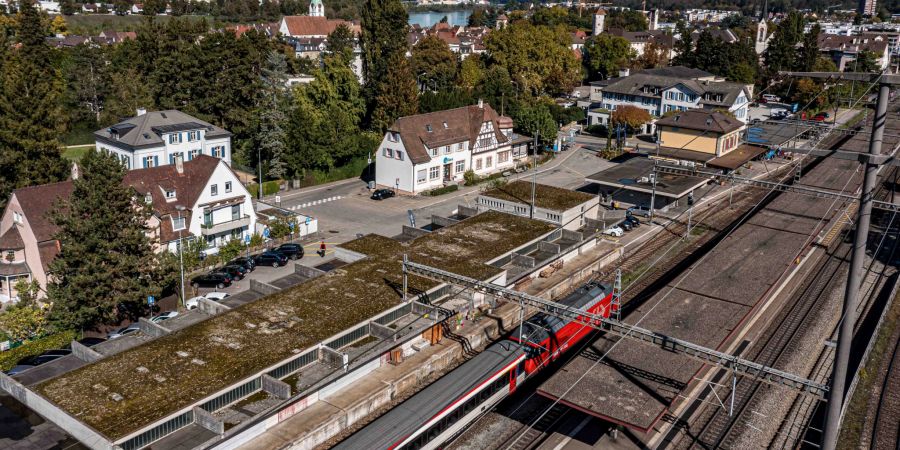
308,220
291,224
278,199
266,232
151,300
247,239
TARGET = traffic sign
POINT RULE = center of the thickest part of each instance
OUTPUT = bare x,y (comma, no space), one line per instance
308,220
278,199
151,300
266,232
291,224
247,239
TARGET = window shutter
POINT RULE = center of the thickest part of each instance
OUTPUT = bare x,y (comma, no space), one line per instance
155,160
145,162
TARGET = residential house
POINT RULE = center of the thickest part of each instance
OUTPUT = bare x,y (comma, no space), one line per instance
668,89
198,199
156,138
465,41
427,151
309,35
697,135
639,40
844,50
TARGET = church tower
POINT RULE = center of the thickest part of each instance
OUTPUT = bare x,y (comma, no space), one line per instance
762,38
599,22
316,8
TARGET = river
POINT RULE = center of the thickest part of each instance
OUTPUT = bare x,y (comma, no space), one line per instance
428,18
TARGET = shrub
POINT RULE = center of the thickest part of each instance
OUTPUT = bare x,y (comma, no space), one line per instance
441,190
9,358
470,177
269,187
597,130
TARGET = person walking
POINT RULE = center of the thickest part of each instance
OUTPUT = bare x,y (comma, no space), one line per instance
322,249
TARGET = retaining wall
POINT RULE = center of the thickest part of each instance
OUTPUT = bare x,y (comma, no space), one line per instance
262,288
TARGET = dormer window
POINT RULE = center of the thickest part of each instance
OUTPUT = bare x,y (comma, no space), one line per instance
175,138
178,223
170,194
428,128
148,199
445,125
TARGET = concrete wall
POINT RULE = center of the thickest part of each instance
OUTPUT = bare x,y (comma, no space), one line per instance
466,211
308,272
548,247
331,357
694,140
380,331
522,260
206,420
443,221
152,329
413,233
85,434
348,256
277,388
85,353
211,307
262,288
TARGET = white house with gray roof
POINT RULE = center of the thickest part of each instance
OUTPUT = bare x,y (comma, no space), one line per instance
155,138
670,89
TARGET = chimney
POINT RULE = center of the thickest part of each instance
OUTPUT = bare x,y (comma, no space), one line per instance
480,104
179,164
141,111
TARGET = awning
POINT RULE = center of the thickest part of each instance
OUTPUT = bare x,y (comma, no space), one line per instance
737,157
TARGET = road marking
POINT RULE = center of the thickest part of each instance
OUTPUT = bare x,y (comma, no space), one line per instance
315,202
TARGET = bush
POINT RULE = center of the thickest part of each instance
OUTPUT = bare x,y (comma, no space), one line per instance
269,187
442,190
470,177
597,130
9,358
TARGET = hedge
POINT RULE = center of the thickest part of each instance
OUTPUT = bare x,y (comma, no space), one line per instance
442,190
9,358
269,187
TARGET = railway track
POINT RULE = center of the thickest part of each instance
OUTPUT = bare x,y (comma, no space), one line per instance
886,433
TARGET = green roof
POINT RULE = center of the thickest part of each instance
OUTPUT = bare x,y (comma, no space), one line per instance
546,197
173,372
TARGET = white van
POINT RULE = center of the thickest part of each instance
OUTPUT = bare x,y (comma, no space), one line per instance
771,98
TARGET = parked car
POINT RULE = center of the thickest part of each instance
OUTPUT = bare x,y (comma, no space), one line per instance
633,221
19,368
125,331
37,360
164,316
58,352
292,251
245,262
381,194
614,231
217,280
778,113
270,258
91,341
638,210
768,98
216,296
625,225
234,271
193,302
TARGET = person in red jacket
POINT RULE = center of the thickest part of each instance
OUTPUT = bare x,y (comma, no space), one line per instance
322,249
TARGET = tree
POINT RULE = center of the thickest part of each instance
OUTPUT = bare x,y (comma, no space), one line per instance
58,26
655,55
23,322
606,54
627,19
128,91
471,72
434,63
684,46
535,118
383,41
31,116
67,7
866,61
809,53
396,95
537,57
271,136
781,53
431,101
106,263
631,117
341,41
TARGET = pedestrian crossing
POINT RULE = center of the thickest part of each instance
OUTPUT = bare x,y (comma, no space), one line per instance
315,202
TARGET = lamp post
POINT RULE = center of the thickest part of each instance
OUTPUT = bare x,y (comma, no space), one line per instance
181,208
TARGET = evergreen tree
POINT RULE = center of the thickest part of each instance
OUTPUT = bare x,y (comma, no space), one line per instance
781,53
395,95
684,46
31,116
809,53
341,41
271,136
106,264
383,41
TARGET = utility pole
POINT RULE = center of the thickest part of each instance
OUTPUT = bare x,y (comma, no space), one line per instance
854,280
537,135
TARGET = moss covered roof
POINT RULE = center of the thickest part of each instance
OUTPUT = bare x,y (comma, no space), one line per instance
175,371
546,197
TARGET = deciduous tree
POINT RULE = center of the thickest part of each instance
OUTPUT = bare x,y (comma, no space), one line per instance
606,54
434,63
630,116
537,57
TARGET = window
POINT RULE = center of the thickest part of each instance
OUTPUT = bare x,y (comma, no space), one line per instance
207,219
177,223
175,138
10,255
399,155
434,151
227,186
488,162
388,153
460,166
392,137
126,161
421,176
478,164
428,128
214,190
459,147
170,194
218,151
193,136
502,157
235,212
193,153
150,161
434,172
446,149
17,218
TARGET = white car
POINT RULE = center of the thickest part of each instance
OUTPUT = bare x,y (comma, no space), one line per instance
164,316
194,302
217,296
771,98
130,329
615,231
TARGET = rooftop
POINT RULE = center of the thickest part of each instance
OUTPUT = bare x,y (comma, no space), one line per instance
702,120
546,197
158,379
147,129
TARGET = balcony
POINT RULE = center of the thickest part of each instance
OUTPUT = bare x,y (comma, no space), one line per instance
218,228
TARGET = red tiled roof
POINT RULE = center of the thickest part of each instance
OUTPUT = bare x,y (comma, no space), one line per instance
37,202
315,26
12,239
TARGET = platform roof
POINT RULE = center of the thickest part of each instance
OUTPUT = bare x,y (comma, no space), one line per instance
737,157
628,175
547,197
175,371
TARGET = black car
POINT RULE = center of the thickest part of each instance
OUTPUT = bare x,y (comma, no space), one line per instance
37,360
273,259
217,280
58,352
236,272
633,221
381,194
91,341
293,251
246,263
626,225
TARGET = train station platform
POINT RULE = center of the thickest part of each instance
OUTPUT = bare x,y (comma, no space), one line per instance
634,175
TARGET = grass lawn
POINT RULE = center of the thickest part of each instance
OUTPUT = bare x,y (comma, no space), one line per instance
75,154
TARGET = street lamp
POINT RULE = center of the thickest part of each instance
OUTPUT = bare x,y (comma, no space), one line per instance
181,208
